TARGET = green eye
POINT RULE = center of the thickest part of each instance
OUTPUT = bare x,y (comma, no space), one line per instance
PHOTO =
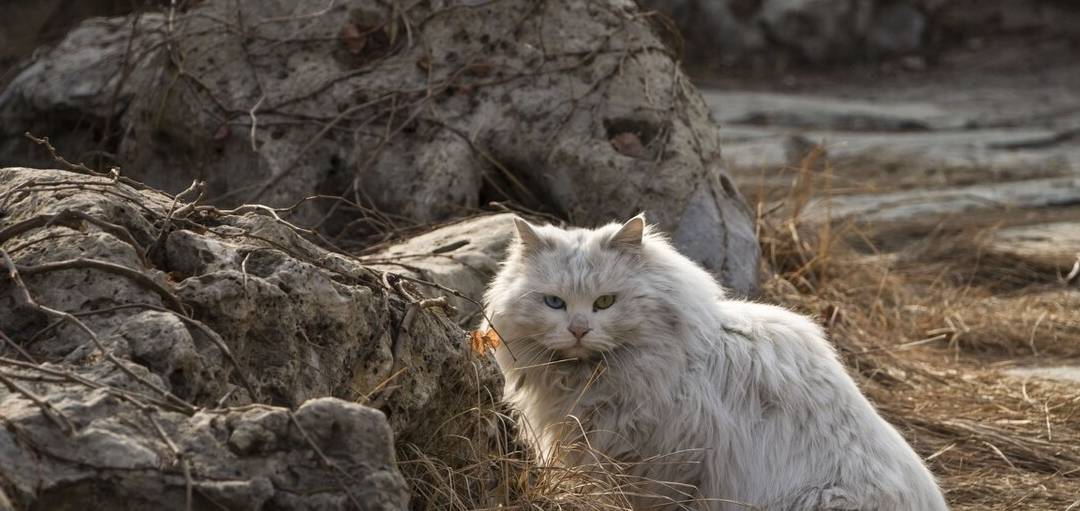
603,302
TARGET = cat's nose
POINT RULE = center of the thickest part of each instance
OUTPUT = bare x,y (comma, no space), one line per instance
579,330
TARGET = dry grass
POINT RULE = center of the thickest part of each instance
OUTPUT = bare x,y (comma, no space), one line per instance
927,331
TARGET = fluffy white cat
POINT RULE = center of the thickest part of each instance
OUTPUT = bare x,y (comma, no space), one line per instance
615,341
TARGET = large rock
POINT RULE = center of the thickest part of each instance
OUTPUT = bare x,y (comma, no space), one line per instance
414,116
462,256
734,31
1054,246
836,31
193,309
119,456
930,207
29,24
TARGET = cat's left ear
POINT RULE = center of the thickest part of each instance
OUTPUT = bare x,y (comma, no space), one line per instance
630,234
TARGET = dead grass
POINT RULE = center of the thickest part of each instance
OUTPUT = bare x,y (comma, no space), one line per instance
927,331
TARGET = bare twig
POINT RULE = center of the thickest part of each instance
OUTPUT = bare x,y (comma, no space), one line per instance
14,274
47,409
74,264
69,217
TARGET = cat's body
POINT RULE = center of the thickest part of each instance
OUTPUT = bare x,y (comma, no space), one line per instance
745,402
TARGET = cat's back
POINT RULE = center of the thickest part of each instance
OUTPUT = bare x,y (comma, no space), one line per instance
809,418
773,330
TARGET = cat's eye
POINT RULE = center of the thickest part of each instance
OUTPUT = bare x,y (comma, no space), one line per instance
554,302
603,302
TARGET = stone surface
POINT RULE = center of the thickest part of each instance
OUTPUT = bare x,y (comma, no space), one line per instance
1054,245
823,113
194,286
830,31
1068,374
817,31
462,256
413,122
258,458
30,24
934,205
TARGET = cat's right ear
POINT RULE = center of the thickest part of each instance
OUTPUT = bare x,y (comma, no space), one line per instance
530,240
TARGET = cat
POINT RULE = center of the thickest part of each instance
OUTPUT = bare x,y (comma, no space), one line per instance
618,351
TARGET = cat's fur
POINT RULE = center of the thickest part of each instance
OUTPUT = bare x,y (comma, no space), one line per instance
743,401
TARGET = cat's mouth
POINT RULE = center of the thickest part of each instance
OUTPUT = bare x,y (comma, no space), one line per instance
582,355
580,352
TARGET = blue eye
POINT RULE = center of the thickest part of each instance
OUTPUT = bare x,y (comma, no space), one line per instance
554,302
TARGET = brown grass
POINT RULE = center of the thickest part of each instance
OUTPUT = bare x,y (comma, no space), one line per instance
927,330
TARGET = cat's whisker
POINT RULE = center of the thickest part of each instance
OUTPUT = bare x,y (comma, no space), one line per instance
544,364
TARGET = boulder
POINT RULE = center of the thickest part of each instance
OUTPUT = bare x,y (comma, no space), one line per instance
413,115
930,207
815,31
149,336
1054,246
462,256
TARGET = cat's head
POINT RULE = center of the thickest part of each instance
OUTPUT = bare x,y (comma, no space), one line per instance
577,293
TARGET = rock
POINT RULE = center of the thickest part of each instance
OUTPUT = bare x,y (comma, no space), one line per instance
824,113
816,31
991,154
995,17
1067,374
84,86
897,28
200,309
121,456
413,123
29,24
462,256
930,206
1054,245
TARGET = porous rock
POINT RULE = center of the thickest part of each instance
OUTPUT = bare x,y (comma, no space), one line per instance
414,116
462,256
209,326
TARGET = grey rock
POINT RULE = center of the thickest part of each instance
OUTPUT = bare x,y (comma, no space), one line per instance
416,123
825,113
300,323
1067,374
462,256
930,206
817,31
1054,245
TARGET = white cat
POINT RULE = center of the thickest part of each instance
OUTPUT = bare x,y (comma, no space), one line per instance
614,340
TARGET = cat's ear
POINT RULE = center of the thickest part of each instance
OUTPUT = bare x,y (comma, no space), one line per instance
630,234
527,235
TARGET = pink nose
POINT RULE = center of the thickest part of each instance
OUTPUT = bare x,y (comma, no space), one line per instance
579,331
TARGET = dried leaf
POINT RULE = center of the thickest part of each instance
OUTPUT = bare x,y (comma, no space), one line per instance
629,144
353,38
480,69
222,133
424,63
482,341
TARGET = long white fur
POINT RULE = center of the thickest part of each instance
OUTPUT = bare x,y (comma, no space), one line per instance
706,403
